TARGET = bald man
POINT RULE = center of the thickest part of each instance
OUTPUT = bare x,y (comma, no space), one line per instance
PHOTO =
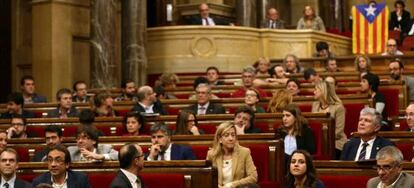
204,17
392,48
272,20
148,102
409,115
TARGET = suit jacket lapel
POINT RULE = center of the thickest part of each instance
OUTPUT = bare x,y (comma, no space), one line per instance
355,149
125,179
210,109
375,148
234,161
174,152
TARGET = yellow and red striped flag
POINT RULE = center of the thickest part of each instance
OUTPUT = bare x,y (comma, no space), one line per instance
369,28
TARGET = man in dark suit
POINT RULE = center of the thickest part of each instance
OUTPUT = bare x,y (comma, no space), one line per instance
27,85
65,108
148,102
368,144
53,137
205,19
58,160
15,103
272,20
212,74
81,92
131,162
389,170
8,167
204,106
163,149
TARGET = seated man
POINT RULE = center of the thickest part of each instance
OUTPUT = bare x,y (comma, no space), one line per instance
81,92
367,145
204,17
244,119
249,80
15,103
3,140
65,108
53,137
204,106
27,86
396,67
87,147
59,175
147,102
212,74
131,162
163,149
129,91
389,170
8,168
272,20
392,49
322,50
17,128
331,65
409,117
311,75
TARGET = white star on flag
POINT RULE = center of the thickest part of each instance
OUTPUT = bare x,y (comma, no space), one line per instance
370,10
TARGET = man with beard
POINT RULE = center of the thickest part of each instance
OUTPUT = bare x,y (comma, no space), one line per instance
15,103
129,91
162,148
396,67
8,167
59,175
17,128
53,136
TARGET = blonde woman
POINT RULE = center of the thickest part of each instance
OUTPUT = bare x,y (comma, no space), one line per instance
234,162
328,101
310,20
362,64
281,98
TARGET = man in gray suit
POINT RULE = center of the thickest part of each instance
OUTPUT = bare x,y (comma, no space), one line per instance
87,148
389,168
272,20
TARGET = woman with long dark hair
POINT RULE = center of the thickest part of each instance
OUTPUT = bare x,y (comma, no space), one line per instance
302,173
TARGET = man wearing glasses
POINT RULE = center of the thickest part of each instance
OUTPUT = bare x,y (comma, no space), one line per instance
392,48
8,167
131,161
59,175
389,168
17,128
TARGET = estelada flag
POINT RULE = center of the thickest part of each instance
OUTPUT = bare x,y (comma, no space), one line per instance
370,28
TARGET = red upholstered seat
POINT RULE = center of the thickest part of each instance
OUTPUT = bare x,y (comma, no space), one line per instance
408,43
70,131
352,117
403,125
172,111
260,155
104,179
344,181
200,152
23,154
208,128
406,149
305,107
38,131
394,35
122,112
392,100
317,131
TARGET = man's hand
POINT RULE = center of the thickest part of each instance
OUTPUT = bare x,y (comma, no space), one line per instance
10,132
155,149
91,155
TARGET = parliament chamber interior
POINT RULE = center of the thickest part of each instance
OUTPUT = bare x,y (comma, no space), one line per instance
244,87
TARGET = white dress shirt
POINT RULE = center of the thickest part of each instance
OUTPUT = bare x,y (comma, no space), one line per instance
167,155
290,144
10,182
368,150
64,185
210,21
131,177
148,109
199,111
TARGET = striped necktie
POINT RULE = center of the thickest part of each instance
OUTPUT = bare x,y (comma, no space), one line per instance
363,152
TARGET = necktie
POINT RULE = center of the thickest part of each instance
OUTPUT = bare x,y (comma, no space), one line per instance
138,183
202,110
6,185
363,152
161,154
271,24
207,23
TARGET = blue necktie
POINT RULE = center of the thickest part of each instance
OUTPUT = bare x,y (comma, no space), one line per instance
363,152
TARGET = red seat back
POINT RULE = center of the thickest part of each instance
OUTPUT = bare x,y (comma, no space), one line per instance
317,131
392,100
352,117
406,150
260,155
344,181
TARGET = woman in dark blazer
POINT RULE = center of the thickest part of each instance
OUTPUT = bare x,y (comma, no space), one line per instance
295,131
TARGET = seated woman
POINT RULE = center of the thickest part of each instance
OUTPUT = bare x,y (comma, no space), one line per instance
252,99
329,102
234,162
133,124
293,86
262,67
168,81
369,84
187,124
302,173
295,131
362,64
103,105
280,99
310,20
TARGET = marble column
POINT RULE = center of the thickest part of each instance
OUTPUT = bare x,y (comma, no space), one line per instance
134,59
246,13
103,48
